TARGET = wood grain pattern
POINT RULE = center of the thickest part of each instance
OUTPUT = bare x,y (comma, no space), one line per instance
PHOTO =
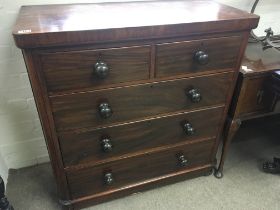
76,24
251,99
137,137
74,70
163,180
46,119
133,170
178,58
136,102
255,97
60,45
245,36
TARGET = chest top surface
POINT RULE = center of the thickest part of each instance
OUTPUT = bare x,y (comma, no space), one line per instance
51,25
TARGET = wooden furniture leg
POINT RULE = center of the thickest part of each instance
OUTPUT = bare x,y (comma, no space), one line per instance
232,126
4,203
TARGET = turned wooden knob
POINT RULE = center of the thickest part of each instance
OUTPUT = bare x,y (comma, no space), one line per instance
108,179
194,95
105,110
106,145
201,57
188,128
101,69
182,160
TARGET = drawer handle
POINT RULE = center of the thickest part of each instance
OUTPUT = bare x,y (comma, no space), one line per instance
106,145
101,69
105,110
182,160
260,96
188,128
108,179
194,95
201,57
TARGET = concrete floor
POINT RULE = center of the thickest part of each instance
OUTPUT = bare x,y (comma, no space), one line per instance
244,185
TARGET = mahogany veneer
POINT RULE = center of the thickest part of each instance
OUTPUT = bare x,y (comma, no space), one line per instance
137,102
136,169
177,58
73,69
129,97
138,137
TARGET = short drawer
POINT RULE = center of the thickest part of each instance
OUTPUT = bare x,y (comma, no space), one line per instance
197,56
254,97
103,144
94,68
103,108
142,168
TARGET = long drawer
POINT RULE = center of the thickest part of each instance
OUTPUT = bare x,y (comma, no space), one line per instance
106,107
104,144
124,172
197,56
74,70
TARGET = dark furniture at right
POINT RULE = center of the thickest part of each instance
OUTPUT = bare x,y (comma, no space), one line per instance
4,203
254,95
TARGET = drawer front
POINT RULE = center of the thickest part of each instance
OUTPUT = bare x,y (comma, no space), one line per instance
117,141
134,170
95,68
102,108
197,56
255,97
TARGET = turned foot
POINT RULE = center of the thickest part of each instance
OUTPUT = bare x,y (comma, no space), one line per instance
218,174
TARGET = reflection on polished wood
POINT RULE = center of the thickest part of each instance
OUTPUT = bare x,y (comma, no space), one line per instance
131,95
83,23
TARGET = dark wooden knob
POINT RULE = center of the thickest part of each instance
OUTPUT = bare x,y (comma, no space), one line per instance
188,128
182,160
201,57
194,95
101,69
108,179
106,145
105,110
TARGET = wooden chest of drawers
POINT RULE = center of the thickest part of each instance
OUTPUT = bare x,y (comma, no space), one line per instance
131,95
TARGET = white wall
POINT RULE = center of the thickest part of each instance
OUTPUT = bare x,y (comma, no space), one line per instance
267,9
21,139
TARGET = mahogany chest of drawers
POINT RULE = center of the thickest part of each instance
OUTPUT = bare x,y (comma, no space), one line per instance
131,95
